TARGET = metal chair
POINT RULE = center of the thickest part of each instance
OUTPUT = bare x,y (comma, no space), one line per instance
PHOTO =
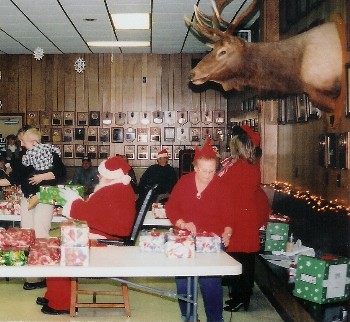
121,241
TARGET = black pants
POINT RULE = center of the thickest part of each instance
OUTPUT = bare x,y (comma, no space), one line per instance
241,286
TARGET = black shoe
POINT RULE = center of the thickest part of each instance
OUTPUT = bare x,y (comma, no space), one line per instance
41,301
236,306
32,286
49,310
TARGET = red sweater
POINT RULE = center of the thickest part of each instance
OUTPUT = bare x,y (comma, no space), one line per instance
248,203
108,211
208,213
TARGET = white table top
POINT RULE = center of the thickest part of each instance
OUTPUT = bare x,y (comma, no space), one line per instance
129,261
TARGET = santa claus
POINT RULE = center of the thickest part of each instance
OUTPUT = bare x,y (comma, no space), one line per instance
109,212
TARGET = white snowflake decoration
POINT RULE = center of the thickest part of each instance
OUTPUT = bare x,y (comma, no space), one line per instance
38,53
79,65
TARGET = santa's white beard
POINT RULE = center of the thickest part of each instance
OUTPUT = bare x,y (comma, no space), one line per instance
104,183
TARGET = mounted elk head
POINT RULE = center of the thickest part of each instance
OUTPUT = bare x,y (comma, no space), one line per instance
311,62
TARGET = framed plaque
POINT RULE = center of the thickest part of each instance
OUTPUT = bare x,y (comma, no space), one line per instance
107,118
44,118
117,134
219,134
79,151
195,117
207,117
129,151
207,132
219,117
169,148
104,135
142,134
68,134
142,152
182,133
133,118
33,119
82,118
120,118
169,134
130,134
79,134
94,118
103,151
56,135
158,117
182,117
177,149
145,118
155,134
68,118
45,134
68,151
195,134
92,151
92,134
154,151
56,118
170,117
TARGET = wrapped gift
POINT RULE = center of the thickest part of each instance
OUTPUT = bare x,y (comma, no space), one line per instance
11,193
158,210
13,256
44,255
180,245
75,256
208,243
51,194
74,233
276,236
19,237
11,207
152,241
324,280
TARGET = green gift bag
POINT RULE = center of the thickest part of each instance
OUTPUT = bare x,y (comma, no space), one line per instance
51,194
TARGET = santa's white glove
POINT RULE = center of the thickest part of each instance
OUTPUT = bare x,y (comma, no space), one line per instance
69,194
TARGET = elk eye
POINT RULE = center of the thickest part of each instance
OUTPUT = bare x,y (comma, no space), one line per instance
222,52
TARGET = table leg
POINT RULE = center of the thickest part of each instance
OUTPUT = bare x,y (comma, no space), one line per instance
192,299
195,298
188,297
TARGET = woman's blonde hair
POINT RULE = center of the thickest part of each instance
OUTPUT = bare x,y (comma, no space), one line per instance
242,147
32,134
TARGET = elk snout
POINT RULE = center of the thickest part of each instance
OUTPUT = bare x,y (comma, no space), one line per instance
191,76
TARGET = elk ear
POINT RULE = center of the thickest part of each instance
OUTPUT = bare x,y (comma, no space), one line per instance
210,45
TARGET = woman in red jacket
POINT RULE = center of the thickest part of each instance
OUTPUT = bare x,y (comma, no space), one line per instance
250,209
109,211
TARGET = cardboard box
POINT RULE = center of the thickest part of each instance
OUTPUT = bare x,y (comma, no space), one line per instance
51,194
276,236
322,281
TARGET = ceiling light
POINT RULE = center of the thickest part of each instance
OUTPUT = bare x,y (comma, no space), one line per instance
131,20
119,43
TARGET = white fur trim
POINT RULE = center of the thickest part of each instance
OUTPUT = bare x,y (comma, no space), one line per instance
116,174
68,206
163,155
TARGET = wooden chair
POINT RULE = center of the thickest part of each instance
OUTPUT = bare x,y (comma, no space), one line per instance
123,293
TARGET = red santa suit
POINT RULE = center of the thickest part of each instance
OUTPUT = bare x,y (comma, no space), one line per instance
109,211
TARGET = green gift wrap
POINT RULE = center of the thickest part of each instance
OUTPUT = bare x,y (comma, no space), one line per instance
322,281
51,194
276,236
13,257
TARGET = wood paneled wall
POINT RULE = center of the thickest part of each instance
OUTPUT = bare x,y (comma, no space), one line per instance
109,83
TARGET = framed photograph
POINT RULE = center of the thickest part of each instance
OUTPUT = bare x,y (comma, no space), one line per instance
103,151
92,133
92,151
142,134
104,135
219,134
195,134
68,151
68,118
68,134
154,151
120,118
169,134
117,134
155,133
130,134
33,118
94,118
207,132
82,118
142,152
79,151
56,118
79,134
107,118
176,150
45,134
129,151
169,148
56,135
44,118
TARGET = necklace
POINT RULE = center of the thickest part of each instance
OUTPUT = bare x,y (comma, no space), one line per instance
198,195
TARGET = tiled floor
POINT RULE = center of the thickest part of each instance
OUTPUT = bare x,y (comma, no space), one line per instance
19,305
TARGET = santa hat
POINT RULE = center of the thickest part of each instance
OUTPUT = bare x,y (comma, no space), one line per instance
115,168
163,154
254,136
206,152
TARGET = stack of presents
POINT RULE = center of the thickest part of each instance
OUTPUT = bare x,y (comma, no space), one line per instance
11,198
19,246
318,280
